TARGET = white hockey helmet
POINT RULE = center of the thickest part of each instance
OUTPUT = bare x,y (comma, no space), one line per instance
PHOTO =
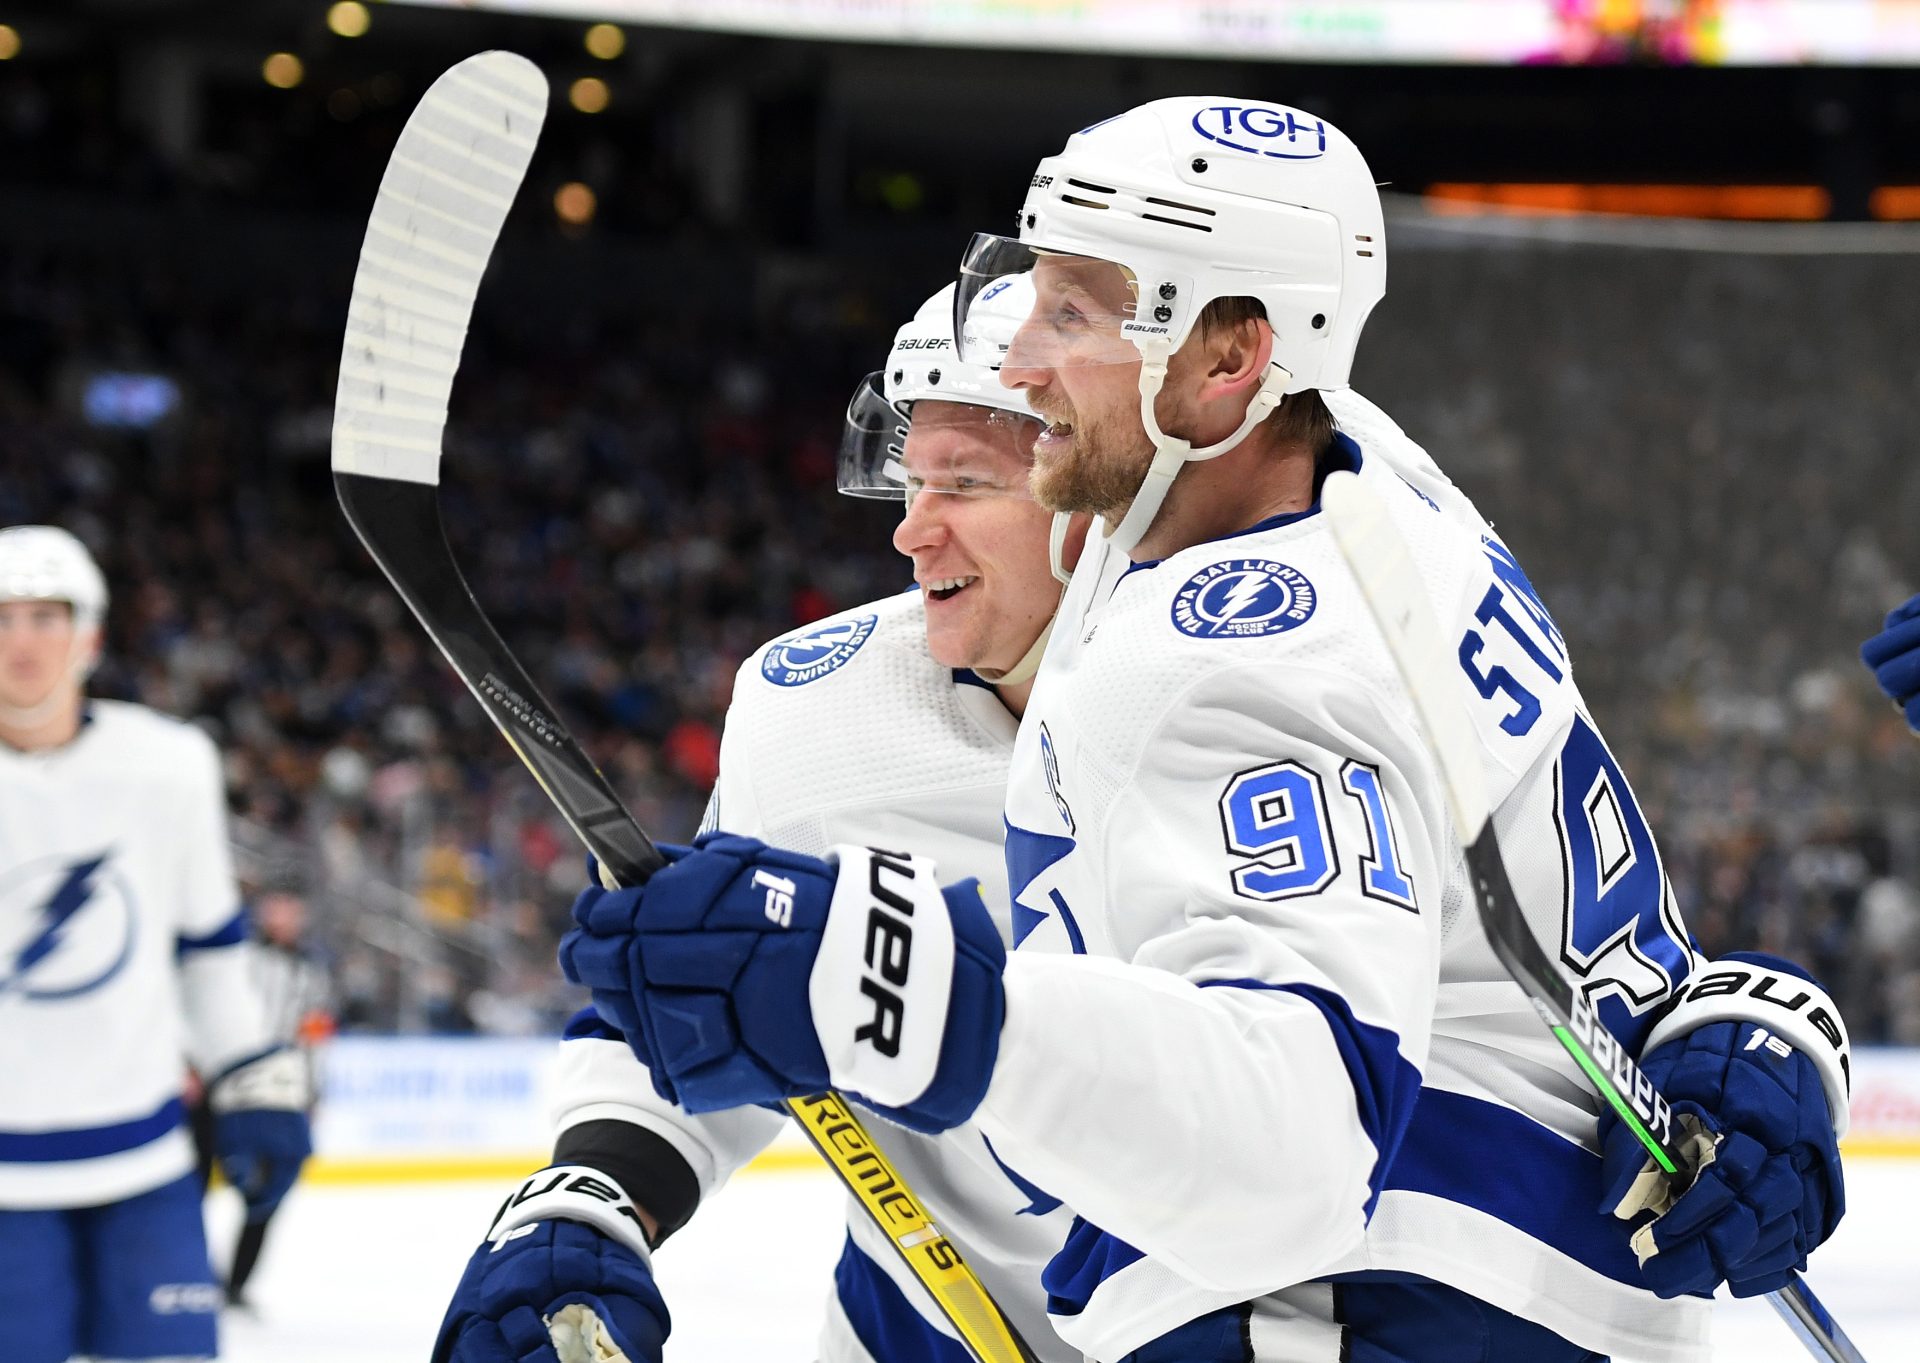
1178,203
45,563
923,365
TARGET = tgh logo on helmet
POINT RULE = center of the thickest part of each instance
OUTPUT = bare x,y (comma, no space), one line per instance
1263,130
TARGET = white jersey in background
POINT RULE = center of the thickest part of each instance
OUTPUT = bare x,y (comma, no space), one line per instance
121,956
1221,776
849,732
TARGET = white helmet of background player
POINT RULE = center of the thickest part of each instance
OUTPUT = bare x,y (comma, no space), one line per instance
1183,201
923,366
45,563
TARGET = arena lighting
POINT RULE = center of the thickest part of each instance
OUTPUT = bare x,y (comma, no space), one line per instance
1799,203
606,41
348,18
9,42
1471,32
589,94
574,204
1896,203
283,71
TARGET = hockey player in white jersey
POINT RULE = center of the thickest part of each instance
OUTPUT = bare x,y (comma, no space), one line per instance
120,954
1253,1035
890,724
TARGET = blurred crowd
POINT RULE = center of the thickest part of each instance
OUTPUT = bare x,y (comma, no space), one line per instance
1701,458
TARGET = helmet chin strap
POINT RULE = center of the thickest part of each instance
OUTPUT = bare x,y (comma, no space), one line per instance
1170,453
1030,660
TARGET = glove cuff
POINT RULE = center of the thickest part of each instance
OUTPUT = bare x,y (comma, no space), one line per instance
571,1192
883,979
1774,996
277,1080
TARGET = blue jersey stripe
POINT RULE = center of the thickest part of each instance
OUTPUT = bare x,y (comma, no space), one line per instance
229,934
890,1329
1503,1163
90,1142
1386,1087
1089,1258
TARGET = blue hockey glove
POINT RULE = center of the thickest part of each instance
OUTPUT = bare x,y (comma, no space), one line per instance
564,1277
1769,1190
1893,655
742,973
261,1135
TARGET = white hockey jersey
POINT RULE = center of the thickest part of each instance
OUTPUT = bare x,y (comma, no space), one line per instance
121,956
1287,1051
849,732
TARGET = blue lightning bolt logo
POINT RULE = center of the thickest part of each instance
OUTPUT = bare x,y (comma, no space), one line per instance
74,892
1243,599
1241,595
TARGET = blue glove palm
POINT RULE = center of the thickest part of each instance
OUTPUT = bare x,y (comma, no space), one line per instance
1773,1191
500,1310
726,979
1893,655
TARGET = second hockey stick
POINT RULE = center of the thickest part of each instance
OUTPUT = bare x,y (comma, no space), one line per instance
1379,558
452,176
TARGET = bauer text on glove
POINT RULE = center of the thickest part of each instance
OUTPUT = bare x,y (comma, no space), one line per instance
743,973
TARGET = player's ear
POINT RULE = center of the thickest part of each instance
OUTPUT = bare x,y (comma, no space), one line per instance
1234,355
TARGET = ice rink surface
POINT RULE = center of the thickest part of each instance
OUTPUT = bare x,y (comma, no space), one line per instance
361,1274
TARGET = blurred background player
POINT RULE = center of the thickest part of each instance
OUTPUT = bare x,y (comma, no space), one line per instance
295,991
121,949
890,724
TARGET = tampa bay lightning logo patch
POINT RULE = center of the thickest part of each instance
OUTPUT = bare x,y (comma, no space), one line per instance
811,656
1243,598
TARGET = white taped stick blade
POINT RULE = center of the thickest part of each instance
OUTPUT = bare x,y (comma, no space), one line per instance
1375,551
452,177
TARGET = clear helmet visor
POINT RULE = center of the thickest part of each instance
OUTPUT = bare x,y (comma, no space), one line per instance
1023,306
958,449
873,444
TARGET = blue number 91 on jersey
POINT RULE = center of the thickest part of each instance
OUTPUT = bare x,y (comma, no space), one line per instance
1278,819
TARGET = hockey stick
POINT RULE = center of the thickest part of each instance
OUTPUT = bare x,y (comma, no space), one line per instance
454,172
1389,580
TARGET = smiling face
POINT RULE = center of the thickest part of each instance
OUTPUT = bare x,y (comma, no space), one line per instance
977,539
38,641
1083,376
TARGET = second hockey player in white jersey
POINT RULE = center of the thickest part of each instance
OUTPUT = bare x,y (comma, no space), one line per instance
121,954
1252,1037
890,724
